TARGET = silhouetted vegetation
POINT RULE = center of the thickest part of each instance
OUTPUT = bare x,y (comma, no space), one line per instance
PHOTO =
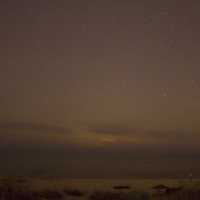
49,194
13,189
180,195
122,187
73,192
133,195
16,194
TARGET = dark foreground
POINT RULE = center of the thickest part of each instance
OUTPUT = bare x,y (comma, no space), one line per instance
21,190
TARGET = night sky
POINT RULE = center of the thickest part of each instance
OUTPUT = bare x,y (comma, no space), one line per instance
100,89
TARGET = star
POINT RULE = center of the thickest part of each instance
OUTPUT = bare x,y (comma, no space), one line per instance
194,83
165,92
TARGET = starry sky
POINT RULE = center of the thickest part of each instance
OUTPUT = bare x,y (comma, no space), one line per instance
100,89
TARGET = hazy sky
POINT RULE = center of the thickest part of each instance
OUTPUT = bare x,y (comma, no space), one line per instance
100,88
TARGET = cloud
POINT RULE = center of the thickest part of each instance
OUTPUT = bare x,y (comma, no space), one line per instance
36,127
130,137
120,129
130,143
35,134
112,129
